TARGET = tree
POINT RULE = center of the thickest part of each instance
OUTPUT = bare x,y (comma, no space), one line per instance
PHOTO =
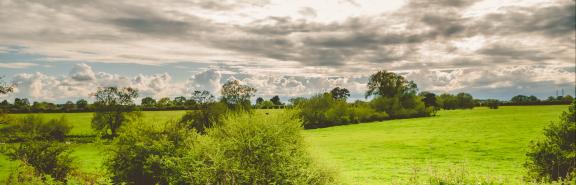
340,93
276,100
429,99
209,112
69,106
164,102
465,100
554,157
202,97
179,101
148,102
237,96
567,99
22,104
113,107
492,103
259,100
389,84
5,88
81,104
533,99
297,101
519,99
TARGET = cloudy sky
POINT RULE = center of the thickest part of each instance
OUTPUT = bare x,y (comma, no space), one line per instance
57,50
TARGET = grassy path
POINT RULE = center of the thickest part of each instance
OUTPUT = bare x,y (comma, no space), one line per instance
483,141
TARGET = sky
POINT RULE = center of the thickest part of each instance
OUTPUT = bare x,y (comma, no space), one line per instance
59,50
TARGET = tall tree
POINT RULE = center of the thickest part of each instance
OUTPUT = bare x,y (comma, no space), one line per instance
113,107
389,84
5,88
340,93
276,100
236,95
148,102
202,97
259,100
69,106
81,104
164,102
179,101
429,99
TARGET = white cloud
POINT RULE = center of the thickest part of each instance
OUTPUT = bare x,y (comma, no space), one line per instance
17,65
82,72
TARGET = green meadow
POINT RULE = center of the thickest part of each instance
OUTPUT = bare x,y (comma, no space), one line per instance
483,142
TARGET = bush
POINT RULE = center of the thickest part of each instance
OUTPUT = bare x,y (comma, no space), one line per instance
243,149
36,128
204,118
47,158
248,149
554,157
142,154
492,103
363,112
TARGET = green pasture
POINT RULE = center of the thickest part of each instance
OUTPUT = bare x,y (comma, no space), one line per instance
484,142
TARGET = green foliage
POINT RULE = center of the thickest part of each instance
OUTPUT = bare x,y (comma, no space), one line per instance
244,149
5,88
389,84
142,154
113,107
26,175
492,103
237,96
400,107
47,158
249,149
276,100
459,101
35,128
205,117
340,93
148,102
554,157
265,105
323,110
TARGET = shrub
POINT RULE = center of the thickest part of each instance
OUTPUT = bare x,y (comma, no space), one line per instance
208,115
47,158
36,128
142,154
248,149
243,149
554,157
492,103
25,174
362,112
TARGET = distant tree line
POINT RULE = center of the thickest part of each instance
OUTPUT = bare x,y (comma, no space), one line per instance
533,100
393,97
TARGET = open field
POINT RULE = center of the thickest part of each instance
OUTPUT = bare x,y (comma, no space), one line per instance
485,142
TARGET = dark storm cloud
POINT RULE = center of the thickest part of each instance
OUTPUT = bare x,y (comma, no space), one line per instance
152,26
498,50
553,21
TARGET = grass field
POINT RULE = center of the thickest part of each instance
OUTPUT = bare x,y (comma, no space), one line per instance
485,142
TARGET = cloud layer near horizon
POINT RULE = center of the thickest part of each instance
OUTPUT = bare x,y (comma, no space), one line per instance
293,48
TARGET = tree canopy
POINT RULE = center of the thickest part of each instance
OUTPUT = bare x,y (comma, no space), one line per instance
389,84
